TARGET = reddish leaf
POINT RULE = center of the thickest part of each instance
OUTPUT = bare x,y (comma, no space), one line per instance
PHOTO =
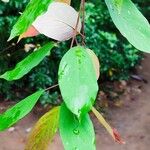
29,33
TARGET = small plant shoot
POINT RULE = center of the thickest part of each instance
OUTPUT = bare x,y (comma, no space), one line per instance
78,71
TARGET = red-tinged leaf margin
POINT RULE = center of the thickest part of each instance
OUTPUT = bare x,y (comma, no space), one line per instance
112,131
31,31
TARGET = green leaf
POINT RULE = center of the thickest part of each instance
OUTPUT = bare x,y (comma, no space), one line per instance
75,134
23,67
17,112
77,80
131,23
118,4
32,11
44,131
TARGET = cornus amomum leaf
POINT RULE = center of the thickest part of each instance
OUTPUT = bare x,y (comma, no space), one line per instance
95,62
59,26
23,67
31,12
77,80
131,23
44,131
113,132
17,112
75,134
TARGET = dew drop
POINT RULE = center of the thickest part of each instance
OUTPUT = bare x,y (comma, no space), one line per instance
129,12
79,113
111,7
76,131
140,28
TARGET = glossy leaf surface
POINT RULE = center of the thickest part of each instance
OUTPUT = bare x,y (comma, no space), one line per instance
44,131
31,12
28,63
77,80
17,112
131,23
75,134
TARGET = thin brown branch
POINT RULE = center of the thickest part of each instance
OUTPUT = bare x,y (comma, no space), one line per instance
51,87
75,30
76,41
82,10
83,22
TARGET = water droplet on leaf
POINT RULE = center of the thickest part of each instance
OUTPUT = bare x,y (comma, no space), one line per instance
76,131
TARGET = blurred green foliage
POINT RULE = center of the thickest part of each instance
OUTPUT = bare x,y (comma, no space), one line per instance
116,55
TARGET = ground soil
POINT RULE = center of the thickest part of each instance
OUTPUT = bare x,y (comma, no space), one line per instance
131,118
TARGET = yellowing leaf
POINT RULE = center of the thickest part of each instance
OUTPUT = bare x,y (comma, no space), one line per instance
44,131
58,22
64,1
95,62
113,132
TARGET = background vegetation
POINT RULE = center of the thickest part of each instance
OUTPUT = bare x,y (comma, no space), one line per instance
118,58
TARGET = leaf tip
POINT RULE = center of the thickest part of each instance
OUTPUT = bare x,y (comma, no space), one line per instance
10,38
2,76
19,39
12,35
117,137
